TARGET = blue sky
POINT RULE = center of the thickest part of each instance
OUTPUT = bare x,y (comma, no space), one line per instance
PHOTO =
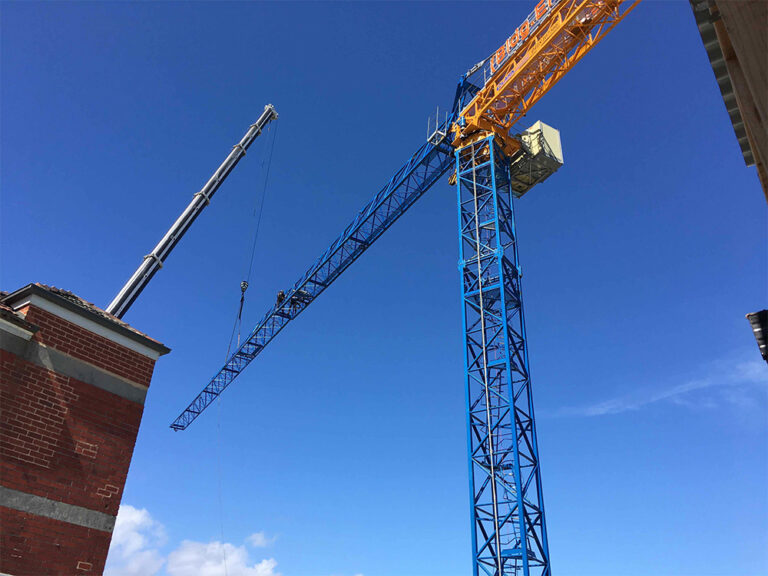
341,450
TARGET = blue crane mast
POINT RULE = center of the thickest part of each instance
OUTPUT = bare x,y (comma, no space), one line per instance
508,530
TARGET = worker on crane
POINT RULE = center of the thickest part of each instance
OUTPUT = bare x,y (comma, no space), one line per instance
299,298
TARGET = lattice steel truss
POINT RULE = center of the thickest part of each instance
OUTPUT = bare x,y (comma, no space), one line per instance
508,530
425,167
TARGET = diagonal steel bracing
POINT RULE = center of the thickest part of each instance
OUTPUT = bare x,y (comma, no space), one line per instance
508,531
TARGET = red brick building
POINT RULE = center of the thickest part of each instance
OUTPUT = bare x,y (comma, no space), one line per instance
72,385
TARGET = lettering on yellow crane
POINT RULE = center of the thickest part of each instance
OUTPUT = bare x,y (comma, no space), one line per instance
542,9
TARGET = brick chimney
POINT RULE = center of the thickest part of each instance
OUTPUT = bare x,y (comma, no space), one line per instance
72,385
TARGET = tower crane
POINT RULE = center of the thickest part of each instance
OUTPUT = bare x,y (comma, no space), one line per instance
491,165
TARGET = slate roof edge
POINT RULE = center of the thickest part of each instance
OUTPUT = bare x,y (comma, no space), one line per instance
83,307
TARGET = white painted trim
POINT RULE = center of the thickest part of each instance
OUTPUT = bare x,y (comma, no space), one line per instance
12,328
87,324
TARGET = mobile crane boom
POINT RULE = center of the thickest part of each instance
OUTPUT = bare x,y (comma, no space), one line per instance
154,260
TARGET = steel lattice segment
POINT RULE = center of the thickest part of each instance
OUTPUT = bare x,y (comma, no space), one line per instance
508,529
414,178
535,58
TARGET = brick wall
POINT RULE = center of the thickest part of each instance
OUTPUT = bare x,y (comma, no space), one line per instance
36,545
97,350
71,402
64,439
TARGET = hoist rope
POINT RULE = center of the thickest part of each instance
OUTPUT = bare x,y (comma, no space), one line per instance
268,161
257,213
220,487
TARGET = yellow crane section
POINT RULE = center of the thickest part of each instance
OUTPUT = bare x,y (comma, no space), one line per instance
554,37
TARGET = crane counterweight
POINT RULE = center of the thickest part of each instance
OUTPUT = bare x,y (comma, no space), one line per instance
542,157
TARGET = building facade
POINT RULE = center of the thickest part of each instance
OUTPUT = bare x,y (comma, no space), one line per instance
73,380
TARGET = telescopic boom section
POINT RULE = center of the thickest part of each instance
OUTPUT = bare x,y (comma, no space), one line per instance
556,35
409,183
154,260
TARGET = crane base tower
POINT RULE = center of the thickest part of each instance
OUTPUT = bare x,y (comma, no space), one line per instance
508,529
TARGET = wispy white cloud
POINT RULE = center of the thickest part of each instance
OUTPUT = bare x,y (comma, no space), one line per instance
260,540
742,385
136,551
136,542
215,559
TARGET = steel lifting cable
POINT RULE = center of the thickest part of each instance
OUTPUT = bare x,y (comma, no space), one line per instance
257,212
